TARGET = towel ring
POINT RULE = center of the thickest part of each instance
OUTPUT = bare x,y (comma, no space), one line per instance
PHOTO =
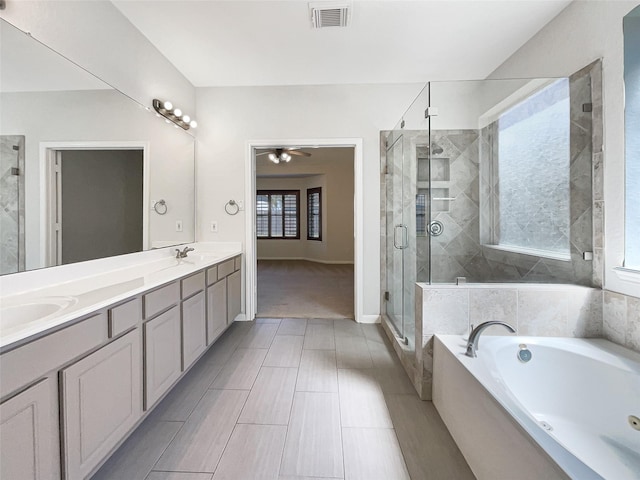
231,207
162,209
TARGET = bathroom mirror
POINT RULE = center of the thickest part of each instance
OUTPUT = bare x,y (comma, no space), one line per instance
86,172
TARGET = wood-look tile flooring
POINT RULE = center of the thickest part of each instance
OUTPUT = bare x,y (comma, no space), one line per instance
302,289
292,399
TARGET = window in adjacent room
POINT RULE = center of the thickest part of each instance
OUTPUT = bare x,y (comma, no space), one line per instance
631,24
277,214
533,160
314,213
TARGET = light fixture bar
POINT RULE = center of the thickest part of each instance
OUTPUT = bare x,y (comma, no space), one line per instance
174,114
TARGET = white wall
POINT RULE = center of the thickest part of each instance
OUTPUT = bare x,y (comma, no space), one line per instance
230,117
332,169
583,32
95,35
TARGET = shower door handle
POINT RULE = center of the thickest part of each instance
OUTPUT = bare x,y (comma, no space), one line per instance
404,235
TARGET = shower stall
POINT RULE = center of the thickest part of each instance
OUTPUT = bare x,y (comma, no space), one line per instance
490,181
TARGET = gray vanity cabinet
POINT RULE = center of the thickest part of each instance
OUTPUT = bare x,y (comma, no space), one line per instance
102,401
216,310
28,428
234,292
194,329
162,359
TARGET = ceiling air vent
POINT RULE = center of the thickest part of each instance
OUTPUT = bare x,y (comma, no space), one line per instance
329,14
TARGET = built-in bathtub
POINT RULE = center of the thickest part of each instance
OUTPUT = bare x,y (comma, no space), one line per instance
566,413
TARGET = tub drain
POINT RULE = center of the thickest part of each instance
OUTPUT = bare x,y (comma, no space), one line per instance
634,422
546,426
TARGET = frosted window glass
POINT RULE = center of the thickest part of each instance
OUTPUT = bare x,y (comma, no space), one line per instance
533,172
632,138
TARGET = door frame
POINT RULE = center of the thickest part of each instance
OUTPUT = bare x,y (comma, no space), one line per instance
49,195
251,260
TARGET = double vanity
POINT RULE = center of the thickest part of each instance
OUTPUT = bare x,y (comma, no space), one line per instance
83,361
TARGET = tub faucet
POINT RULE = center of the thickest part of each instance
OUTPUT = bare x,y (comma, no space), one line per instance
183,253
474,336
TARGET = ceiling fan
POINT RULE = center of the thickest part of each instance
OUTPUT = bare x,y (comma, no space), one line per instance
278,155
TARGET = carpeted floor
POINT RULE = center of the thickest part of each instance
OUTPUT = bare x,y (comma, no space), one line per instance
301,289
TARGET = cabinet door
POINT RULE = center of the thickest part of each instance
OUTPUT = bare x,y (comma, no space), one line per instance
234,292
101,402
162,360
28,427
216,310
194,329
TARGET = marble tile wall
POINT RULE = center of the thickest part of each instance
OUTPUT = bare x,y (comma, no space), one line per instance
586,200
12,253
537,310
621,319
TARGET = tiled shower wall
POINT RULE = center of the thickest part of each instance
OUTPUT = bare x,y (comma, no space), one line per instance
12,253
463,249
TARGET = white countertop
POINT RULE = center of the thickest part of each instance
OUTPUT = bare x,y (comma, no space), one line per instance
60,295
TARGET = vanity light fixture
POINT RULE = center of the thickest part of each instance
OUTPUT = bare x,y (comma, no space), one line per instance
167,110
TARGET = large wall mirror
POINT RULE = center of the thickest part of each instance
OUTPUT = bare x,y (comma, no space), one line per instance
85,171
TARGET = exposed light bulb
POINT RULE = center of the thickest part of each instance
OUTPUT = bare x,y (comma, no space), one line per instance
167,105
273,157
285,156
177,112
186,118
193,124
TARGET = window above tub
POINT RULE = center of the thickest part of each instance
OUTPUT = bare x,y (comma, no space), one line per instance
531,205
631,26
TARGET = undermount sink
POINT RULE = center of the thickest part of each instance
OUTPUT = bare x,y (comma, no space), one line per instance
22,314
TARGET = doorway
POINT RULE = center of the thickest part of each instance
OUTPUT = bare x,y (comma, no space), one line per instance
355,275
305,231
96,203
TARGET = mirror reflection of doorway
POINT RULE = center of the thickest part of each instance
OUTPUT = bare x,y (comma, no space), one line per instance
305,233
99,204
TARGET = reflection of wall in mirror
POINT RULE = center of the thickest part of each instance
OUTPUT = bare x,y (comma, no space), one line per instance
102,116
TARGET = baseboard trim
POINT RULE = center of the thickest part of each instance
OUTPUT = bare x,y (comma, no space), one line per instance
326,262
370,319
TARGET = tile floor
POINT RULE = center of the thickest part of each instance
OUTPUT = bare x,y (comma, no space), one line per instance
292,399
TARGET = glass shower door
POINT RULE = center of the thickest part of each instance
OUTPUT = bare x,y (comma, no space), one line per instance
394,232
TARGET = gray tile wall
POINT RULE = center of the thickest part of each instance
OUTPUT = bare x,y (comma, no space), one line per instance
12,252
621,319
471,221
536,310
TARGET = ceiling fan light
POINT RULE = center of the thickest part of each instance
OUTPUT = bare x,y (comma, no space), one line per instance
285,156
273,157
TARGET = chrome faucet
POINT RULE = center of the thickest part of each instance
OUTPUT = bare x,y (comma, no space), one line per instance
183,253
474,336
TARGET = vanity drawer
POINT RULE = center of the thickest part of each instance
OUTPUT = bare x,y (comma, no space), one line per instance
212,275
29,362
225,269
161,299
124,316
237,263
193,284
